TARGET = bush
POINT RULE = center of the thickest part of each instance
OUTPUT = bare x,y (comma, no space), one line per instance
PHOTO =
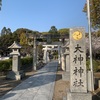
5,65
96,65
26,61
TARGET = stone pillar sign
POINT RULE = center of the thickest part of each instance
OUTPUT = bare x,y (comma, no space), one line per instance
78,61
78,76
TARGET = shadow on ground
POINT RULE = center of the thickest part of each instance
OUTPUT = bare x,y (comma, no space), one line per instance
43,77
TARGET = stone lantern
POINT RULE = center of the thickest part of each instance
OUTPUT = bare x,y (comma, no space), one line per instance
67,59
66,74
16,73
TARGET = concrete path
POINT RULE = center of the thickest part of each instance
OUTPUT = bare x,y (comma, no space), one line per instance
40,86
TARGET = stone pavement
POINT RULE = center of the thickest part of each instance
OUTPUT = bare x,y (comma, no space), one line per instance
40,86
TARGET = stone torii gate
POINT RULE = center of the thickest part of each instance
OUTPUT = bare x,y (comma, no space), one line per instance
50,48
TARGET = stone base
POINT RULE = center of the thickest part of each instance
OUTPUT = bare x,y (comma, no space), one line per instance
64,98
79,96
66,76
15,75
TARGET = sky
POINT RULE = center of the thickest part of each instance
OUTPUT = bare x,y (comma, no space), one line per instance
40,15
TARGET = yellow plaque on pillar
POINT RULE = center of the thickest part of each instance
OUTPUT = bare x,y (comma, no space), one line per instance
77,35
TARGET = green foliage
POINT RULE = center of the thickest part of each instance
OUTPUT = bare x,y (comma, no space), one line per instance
94,13
40,52
55,39
5,65
98,33
45,33
53,30
7,40
96,65
22,30
26,61
64,32
55,53
23,39
20,35
5,31
0,4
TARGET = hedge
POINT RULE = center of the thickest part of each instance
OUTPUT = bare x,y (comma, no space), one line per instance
26,61
6,65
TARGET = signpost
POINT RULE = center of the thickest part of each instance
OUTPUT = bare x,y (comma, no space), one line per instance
78,75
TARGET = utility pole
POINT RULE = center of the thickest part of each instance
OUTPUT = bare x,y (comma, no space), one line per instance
90,46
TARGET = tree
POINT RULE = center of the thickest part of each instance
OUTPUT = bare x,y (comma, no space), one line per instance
21,35
0,4
98,33
53,34
5,31
8,31
64,32
40,52
95,44
5,41
23,39
94,13
53,30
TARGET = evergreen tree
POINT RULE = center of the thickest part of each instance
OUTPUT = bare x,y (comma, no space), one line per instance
0,4
94,13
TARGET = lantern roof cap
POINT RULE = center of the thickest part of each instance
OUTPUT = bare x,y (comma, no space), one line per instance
15,45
